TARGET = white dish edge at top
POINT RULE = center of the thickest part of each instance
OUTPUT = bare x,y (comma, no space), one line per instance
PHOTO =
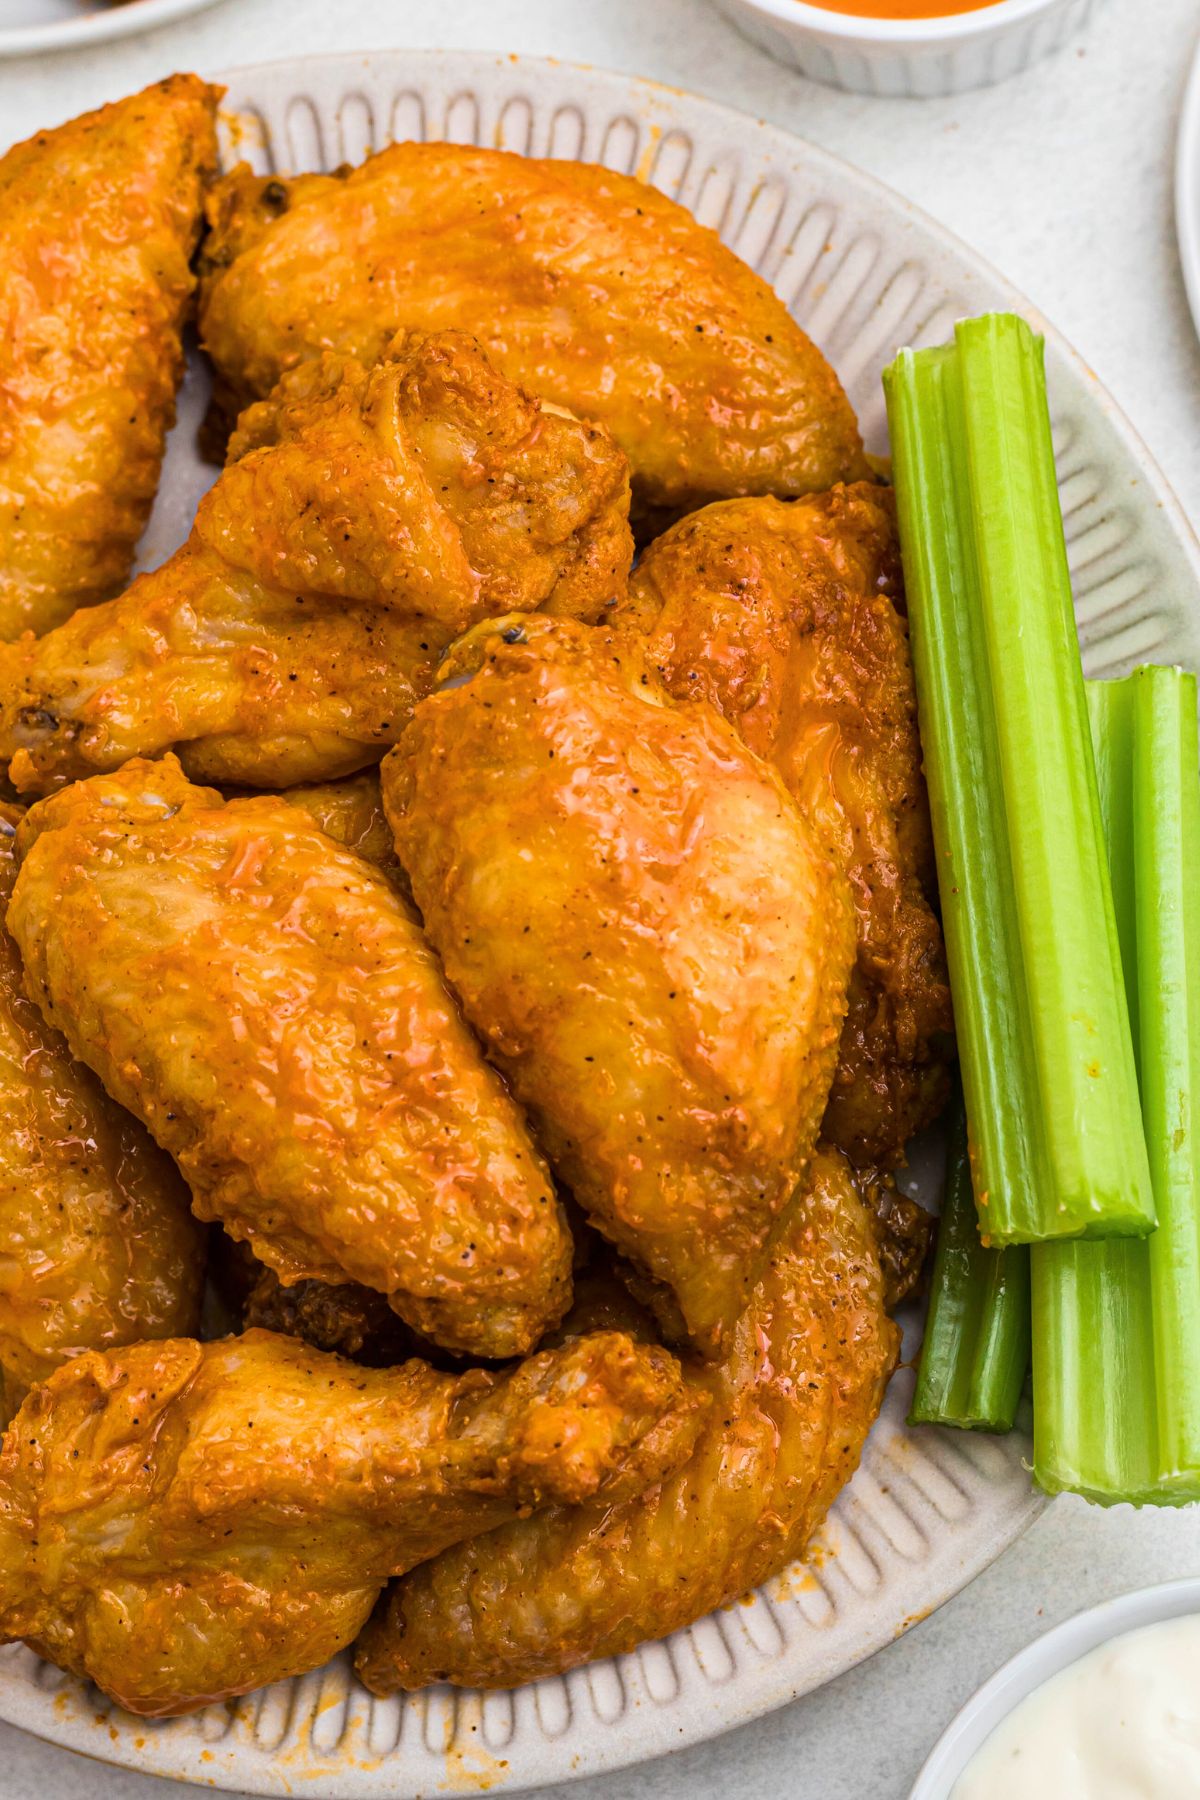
865,272
1187,188
113,21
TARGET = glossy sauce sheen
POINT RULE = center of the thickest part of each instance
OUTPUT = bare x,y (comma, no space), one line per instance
903,9
1123,1721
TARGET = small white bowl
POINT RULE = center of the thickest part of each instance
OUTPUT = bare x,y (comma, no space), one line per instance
1036,1664
914,58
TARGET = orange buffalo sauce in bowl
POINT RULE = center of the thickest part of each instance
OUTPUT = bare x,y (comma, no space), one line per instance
902,9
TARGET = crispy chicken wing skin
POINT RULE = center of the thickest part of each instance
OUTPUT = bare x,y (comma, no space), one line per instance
368,516
348,1318
903,1231
99,1245
789,619
589,287
642,930
424,481
791,1404
266,1003
351,812
98,221
182,1522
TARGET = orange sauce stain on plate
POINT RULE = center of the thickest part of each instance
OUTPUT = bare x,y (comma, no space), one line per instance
903,9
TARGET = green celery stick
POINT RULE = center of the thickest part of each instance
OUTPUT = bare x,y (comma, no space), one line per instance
976,1347
1081,1036
1095,1405
1166,818
1116,1358
959,741
1044,1036
1095,1425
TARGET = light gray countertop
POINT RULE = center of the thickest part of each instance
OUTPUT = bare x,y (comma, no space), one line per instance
1063,179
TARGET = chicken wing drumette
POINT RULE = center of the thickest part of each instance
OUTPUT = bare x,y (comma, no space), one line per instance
182,1522
589,287
366,517
644,933
99,1244
98,221
266,1003
789,619
791,1403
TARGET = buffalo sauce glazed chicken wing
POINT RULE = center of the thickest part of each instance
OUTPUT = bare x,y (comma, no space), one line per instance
791,1402
351,812
367,516
639,925
588,287
789,619
182,1521
98,221
99,1244
266,1003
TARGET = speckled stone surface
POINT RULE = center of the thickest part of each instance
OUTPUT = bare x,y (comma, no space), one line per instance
1063,179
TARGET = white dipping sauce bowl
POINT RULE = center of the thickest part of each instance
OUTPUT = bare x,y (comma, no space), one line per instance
913,58
1032,1667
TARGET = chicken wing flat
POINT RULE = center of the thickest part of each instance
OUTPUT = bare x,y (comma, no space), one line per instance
789,619
791,1404
588,287
641,928
98,221
266,1003
182,1522
99,1246
368,515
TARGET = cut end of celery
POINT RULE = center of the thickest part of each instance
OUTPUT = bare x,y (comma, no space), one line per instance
997,1425
1100,1491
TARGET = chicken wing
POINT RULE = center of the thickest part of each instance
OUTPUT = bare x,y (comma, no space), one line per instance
266,1003
98,221
789,619
351,812
98,1244
367,517
350,1319
590,288
182,1522
791,1404
640,927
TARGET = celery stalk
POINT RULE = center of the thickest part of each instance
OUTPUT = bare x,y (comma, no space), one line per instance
1095,1423
976,1347
1044,1036
1116,1361
1166,809
959,740
1095,1404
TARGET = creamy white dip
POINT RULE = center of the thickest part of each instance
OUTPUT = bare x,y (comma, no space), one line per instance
1123,1723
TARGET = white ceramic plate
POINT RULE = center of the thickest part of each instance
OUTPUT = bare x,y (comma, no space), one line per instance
27,26
1187,188
927,1510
